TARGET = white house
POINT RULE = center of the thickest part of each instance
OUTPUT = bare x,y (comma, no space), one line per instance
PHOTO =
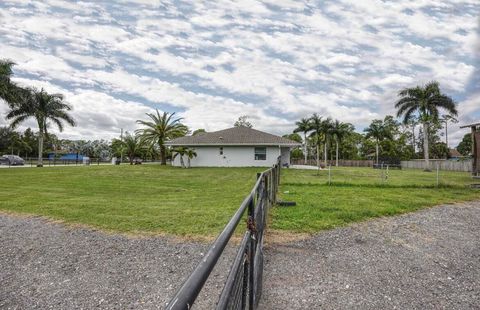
235,147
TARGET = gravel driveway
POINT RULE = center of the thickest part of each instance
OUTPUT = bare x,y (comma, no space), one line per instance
424,260
44,265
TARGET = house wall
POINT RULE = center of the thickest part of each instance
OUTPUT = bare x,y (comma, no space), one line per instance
285,156
233,156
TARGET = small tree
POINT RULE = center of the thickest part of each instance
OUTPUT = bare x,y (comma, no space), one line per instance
304,126
132,146
179,151
243,122
190,153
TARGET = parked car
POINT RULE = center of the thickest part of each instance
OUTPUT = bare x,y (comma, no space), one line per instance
12,160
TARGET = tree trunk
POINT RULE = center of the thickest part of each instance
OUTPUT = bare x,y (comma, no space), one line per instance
425,147
326,153
188,161
40,148
182,163
336,156
163,154
305,147
376,151
318,155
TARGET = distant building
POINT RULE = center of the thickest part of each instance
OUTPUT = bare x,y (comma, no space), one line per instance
236,147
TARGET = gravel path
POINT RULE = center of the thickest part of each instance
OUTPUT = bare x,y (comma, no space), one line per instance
424,260
44,265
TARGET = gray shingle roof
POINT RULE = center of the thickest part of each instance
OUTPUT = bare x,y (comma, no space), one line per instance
233,136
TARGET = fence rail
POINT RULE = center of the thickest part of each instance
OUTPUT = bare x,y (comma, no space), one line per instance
450,165
243,287
341,162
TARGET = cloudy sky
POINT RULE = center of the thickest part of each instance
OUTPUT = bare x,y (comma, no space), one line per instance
210,62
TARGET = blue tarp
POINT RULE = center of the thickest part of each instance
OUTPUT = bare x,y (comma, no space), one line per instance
72,156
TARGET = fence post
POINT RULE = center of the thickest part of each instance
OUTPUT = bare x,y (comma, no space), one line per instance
329,175
438,176
251,264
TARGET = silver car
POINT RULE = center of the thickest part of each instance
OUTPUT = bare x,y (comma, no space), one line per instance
12,160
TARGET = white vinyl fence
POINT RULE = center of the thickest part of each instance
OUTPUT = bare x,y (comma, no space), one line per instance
465,165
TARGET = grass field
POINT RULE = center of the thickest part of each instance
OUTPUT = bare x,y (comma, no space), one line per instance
356,194
198,202
130,199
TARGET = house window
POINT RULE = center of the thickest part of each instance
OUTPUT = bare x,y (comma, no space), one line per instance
221,151
260,153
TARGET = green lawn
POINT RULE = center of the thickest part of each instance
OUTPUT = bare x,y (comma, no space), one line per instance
130,199
356,194
198,202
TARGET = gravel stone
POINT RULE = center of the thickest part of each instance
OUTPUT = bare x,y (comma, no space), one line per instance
424,260
45,265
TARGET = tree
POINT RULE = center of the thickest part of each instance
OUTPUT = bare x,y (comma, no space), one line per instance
425,103
327,131
294,137
160,129
243,122
303,126
339,132
445,119
190,153
198,131
179,151
132,146
316,124
377,131
45,108
465,146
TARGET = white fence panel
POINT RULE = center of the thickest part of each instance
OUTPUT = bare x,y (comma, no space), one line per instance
450,165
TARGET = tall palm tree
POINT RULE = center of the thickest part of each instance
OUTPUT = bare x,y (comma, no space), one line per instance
316,124
45,108
161,128
304,126
339,131
132,146
327,129
445,119
424,102
376,130
9,91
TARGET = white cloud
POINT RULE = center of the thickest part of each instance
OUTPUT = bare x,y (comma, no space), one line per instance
213,61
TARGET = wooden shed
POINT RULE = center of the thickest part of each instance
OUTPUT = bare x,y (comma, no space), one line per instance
475,128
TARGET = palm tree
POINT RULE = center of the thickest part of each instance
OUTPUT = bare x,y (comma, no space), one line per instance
425,101
445,119
160,129
45,108
327,130
9,91
376,130
304,126
339,131
316,125
132,146
180,151
190,153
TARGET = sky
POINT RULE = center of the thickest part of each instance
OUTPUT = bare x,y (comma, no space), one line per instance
213,61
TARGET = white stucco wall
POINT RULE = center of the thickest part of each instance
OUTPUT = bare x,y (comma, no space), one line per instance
233,156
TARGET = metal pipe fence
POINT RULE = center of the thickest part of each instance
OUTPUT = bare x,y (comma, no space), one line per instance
243,287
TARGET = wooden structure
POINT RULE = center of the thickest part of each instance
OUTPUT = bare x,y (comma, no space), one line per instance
475,147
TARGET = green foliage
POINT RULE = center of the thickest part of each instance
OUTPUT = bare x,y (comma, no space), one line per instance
243,122
294,137
465,146
196,132
160,129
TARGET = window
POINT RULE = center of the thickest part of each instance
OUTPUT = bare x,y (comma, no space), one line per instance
221,151
260,153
